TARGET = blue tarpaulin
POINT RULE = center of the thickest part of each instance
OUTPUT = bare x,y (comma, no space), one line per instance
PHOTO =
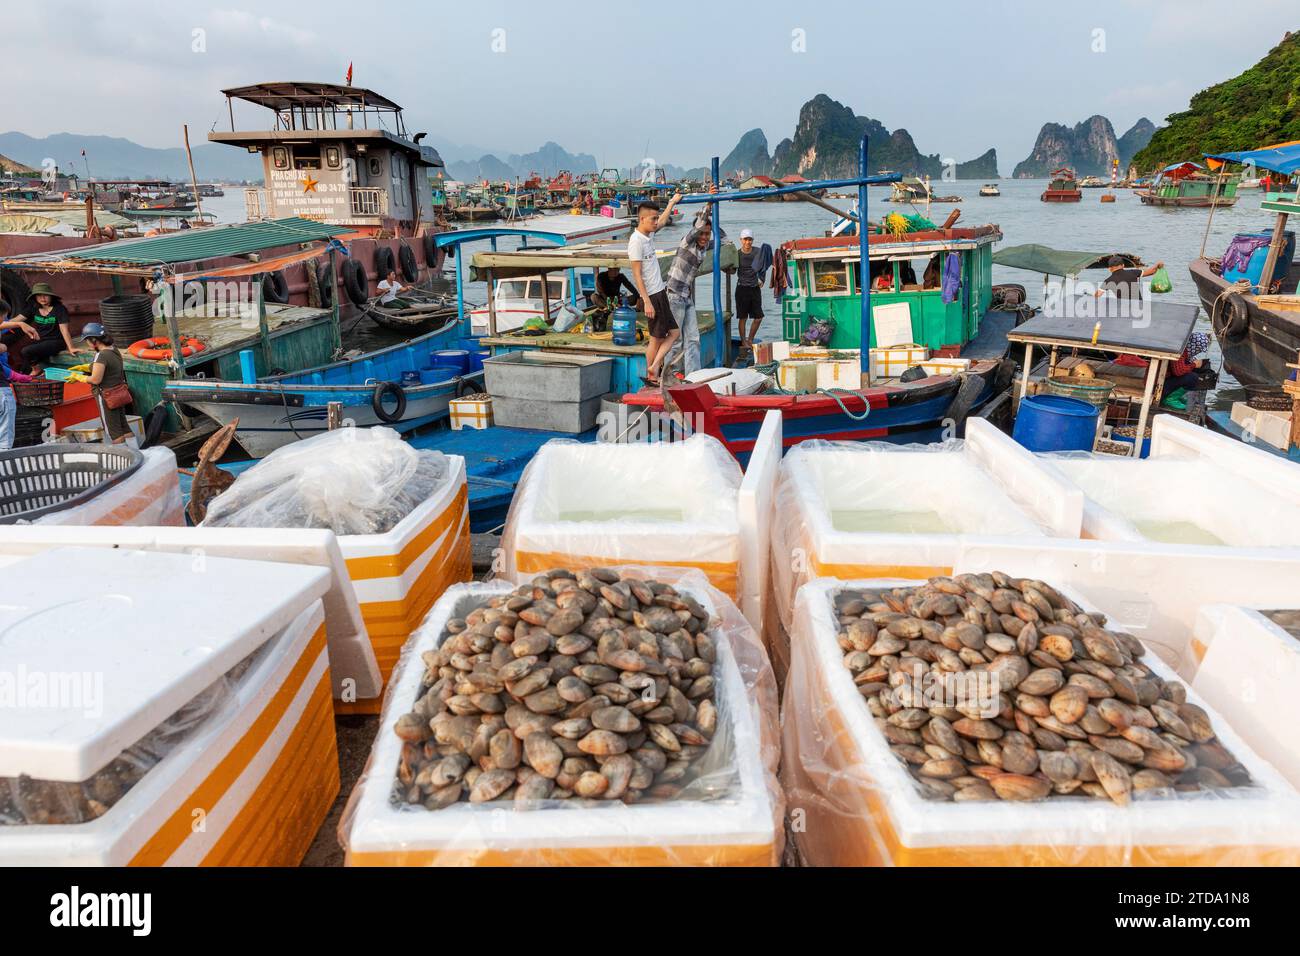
1283,158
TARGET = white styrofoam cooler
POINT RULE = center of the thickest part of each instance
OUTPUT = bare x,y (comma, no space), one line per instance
737,829
260,772
863,807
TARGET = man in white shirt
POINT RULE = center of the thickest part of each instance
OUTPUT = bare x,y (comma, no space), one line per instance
389,287
651,286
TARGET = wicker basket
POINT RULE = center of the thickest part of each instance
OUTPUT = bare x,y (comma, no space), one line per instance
1094,391
1268,398
38,392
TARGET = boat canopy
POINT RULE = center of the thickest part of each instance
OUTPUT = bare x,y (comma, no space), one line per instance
531,262
1179,170
142,256
1057,262
1281,158
558,229
296,94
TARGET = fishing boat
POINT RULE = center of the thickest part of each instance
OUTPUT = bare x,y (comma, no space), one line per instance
417,311
1092,182
916,190
276,410
477,212
990,189
1250,291
1186,184
1062,188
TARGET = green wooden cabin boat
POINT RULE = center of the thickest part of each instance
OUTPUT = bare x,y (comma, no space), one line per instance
1187,184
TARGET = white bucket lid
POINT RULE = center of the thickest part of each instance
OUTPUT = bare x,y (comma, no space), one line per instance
99,646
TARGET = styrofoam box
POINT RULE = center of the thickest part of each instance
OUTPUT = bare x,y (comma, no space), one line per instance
1171,437
151,496
756,499
351,658
819,480
864,807
400,573
737,830
605,484
1269,426
262,768
1250,673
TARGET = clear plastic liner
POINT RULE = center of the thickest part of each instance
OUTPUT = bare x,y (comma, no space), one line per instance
851,801
730,813
876,509
350,481
1177,500
590,504
28,801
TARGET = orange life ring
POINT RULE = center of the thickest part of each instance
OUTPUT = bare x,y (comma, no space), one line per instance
160,348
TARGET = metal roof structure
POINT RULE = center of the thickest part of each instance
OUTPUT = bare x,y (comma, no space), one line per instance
296,94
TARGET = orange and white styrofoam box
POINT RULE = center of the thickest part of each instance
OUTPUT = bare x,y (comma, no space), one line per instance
353,671
757,493
874,509
860,806
149,497
1249,673
470,413
400,573
739,826
212,681
672,504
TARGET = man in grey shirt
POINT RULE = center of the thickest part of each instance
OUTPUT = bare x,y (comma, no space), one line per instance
681,289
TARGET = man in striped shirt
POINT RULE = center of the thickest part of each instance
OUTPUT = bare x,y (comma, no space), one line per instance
681,288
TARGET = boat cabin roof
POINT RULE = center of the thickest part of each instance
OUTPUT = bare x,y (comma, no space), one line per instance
295,94
1033,257
1163,337
564,230
887,246
530,262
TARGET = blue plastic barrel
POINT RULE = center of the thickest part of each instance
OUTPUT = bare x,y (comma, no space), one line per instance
1055,423
623,324
436,373
451,358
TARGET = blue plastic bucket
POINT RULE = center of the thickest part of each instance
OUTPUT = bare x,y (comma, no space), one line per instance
451,358
1146,444
428,376
1055,423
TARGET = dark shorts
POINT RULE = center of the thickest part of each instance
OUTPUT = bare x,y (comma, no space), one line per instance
663,322
749,302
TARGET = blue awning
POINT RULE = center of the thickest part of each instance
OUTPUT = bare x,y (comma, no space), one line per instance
1283,158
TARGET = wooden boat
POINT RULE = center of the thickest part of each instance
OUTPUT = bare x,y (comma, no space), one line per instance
415,315
990,189
915,190
1253,302
1186,184
278,409
485,213
1062,188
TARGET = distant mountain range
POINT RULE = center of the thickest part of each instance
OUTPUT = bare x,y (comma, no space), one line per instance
1089,148
547,161
825,146
112,157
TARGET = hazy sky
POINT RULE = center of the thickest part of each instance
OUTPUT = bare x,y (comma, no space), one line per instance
677,79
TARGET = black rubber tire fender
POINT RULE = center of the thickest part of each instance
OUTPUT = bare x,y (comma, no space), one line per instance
355,282
406,259
383,389
275,287
325,282
430,251
14,291
1232,316
384,262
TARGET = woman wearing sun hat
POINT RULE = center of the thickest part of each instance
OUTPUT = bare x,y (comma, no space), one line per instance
45,321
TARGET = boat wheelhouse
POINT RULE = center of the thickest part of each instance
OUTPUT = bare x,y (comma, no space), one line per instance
990,189
1062,188
1187,184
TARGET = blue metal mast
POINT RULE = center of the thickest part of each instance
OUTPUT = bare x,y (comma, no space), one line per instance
864,270
719,326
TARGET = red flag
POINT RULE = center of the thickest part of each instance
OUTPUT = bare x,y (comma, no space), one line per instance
349,73
83,152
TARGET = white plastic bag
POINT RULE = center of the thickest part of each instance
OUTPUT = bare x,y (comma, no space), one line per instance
351,481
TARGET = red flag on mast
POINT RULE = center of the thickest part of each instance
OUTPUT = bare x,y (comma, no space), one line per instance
349,73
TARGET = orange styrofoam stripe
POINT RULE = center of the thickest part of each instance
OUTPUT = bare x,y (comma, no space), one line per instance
757,854
723,575
866,836
392,565
850,572
133,507
1199,648
278,823
174,830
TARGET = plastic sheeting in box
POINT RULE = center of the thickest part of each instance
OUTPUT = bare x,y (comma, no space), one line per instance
741,827
859,806
663,504
149,498
875,509
256,760
1184,501
1250,673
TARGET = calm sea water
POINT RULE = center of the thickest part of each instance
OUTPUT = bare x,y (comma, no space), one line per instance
1173,236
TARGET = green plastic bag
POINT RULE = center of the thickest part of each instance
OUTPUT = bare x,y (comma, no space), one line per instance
1177,399
1160,281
